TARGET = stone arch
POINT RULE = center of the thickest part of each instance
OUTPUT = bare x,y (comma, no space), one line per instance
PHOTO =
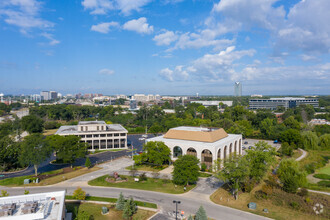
240,146
192,151
219,154
230,149
235,147
177,151
207,158
225,152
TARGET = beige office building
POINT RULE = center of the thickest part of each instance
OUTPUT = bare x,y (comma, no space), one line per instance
98,134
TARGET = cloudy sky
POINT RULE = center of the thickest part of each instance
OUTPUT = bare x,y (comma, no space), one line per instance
181,47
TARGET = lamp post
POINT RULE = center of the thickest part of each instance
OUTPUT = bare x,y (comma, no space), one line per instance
176,208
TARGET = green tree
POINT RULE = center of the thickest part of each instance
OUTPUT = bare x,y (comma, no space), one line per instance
26,192
260,159
310,140
88,163
325,141
235,172
290,122
291,175
201,214
129,209
9,153
32,124
79,194
67,148
286,149
34,151
155,153
291,136
120,202
190,217
186,170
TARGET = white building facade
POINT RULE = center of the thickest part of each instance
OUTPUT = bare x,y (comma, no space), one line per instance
97,134
207,144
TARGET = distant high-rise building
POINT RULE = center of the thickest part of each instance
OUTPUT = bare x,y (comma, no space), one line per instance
132,104
45,95
53,95
238,89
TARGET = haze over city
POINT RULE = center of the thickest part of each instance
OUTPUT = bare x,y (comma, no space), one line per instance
273,47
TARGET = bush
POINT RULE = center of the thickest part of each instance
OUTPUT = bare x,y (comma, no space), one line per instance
88,163
308,200
203,167
143,177
268,190
303,192
120,202
260,195
324,183
51,125
248,186
310,168
294,205
322,176
79,194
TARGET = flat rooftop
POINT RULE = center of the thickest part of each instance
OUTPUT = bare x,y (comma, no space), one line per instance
73,129
91,123
200,134
33,206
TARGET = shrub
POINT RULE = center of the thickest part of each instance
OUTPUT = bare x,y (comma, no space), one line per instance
4,193
248,186
143,177
260,195
268,190
51,125
203,167
324,183
322,176
120,202
303,192
79,194
308,200
201,214
310,168
294,205
88,163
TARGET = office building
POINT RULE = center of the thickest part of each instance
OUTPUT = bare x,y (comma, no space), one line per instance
53,95
98,134
45,95
287,102
35,98
207,144
238,89
49,206
214,103
132,104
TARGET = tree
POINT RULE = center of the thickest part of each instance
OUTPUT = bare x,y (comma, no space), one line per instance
88,163
9,153
260,160
190,217
32,124
34,151
290,122
26,192
290,175
310,140
129,209
67,148
79,194
325,141
286,149
235,172
291,136
201,214
120,202
4,193
186,170
155,153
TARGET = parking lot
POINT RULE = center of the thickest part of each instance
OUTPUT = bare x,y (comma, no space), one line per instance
252,142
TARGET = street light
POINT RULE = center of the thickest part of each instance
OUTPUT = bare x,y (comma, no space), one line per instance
176,208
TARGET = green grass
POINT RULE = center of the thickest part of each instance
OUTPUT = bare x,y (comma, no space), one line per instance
114,200
101,151
147,168
158,185
325,170
201,174
14,181
322,176
93,211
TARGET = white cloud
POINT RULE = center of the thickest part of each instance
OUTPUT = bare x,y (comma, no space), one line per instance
24,14
165,38
139,25
104,27
104,6
106,72
210,67
50,37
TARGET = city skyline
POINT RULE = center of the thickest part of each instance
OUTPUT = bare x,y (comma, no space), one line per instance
172,47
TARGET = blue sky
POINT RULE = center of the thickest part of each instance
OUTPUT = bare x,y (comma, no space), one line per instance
181,47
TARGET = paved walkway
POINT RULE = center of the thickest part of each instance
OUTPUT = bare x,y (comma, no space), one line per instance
304,154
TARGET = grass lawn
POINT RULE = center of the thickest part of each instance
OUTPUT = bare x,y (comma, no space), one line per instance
202,174
94,212
315,157
19,181
280,212
325,170
114,200
101,151
158,185
146,168
49,132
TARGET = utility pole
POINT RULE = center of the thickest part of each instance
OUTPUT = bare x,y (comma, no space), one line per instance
176,208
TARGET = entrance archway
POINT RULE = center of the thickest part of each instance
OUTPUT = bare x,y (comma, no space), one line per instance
240,146
177,151
192,151
230,149
235,147
225,153
207,158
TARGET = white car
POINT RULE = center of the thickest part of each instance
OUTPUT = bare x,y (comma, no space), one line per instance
141,139
145,135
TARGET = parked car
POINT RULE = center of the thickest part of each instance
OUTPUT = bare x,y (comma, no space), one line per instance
246,142
145,135
243,148
141,139
250,147
276,141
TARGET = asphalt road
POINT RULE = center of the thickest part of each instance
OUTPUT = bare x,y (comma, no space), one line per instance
95,159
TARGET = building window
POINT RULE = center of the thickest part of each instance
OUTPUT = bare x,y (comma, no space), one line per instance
89,136
102,135
116,134
109,135
97,127
86,128
123,134
95,135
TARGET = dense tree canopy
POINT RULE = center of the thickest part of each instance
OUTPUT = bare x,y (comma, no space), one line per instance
32,124
155,153
291,175
186,170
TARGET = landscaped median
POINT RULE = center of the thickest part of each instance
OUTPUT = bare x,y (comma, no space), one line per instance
55,176
150,184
